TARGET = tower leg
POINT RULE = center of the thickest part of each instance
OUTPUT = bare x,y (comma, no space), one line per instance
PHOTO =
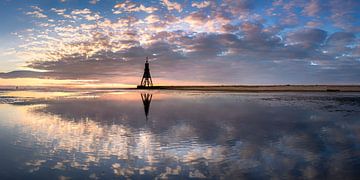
151,81
142,81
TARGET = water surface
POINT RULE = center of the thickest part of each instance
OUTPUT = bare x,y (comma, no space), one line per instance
174,134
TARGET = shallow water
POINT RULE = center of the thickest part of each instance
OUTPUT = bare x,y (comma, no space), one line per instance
97,134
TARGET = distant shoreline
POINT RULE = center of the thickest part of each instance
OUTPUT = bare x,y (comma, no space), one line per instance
219,88
263,88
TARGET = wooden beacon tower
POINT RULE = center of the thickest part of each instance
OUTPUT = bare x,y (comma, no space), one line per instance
146,80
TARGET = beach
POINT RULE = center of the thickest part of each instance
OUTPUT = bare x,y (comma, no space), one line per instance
264,88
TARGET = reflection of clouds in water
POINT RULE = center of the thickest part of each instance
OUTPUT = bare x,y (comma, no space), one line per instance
202,136
98,142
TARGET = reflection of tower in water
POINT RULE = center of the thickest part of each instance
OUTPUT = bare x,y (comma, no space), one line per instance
146,99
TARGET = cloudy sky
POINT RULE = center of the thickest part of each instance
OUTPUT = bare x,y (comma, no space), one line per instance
104,42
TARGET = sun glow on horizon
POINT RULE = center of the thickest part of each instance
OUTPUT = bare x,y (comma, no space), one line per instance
91,84
66,83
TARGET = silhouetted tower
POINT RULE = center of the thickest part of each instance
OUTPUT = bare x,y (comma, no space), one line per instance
146,80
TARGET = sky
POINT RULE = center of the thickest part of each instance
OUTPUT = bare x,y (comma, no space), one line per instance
101,43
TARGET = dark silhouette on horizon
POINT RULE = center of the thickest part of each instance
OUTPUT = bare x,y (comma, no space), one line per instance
146,99
146,80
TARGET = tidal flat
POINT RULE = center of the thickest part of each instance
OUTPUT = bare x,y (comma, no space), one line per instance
149,134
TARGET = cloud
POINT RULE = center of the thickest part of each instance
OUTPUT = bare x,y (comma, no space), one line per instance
102,65
196,19
81,11
224,39
289,20
92,17
308,38
312,8
339,43
341,38
200,5
172,5
22,74
111,49
129,6
38,12
94,1
152,19
238,7
313,24
201,22
343,14
58,11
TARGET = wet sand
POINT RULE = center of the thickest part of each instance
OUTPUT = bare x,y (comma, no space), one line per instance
264,88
